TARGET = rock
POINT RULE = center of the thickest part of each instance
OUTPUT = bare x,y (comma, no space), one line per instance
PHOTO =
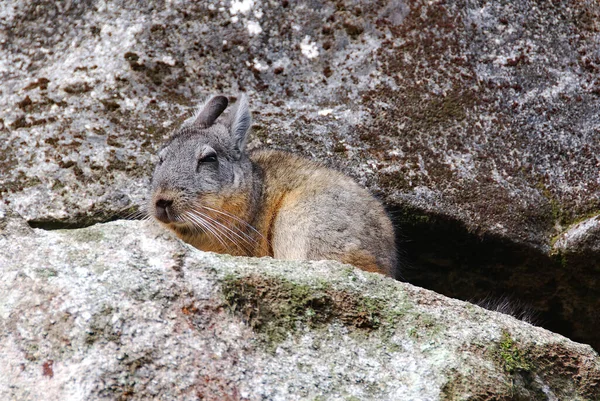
475,123
482,114
583,237
123,310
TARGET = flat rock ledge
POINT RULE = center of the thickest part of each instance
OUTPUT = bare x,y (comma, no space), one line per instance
123,311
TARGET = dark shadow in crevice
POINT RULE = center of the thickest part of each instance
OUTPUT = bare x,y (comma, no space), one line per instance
441,254
82,221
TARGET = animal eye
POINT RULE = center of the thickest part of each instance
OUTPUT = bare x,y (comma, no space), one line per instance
210,158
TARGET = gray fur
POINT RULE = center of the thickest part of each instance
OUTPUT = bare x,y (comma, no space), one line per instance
284,206
178,167
240,122
207,114
179,170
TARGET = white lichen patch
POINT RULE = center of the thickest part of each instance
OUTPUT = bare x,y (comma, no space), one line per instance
253,28
241,7
258,65
169,60
282,63
309,48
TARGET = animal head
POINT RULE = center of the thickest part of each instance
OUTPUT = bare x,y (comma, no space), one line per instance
202,164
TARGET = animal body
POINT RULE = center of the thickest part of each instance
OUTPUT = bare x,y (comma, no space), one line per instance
217,197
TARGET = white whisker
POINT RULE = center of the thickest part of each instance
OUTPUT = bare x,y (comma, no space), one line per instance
206,226
138,214
246,237
225,231
233,217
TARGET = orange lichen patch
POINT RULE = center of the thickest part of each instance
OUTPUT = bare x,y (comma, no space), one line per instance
364,261
189,309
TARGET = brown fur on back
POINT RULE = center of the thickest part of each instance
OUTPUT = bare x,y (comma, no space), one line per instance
294,186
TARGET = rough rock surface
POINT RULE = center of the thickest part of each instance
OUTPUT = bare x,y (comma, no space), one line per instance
485,111
480,113
581,238
123,311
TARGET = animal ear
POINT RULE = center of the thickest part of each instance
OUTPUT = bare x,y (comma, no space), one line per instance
240,121
209,112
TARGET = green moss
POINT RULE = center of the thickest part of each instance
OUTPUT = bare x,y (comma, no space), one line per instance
101,327
563,218
583,217
428,324
560,258
46,272
86,235
557,212
554,238
411,216
567,224
275,307
423,326
513,359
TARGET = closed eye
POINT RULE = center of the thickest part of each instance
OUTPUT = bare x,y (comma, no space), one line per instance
209,158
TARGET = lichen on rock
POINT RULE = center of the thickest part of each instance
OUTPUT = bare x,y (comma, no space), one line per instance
124,310
476,123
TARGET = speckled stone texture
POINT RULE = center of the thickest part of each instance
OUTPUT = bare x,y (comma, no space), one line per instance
480,113
124,311
485,111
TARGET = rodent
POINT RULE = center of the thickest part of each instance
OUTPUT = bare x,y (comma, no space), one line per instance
217,197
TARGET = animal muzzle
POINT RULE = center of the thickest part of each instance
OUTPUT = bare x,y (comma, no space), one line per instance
163,210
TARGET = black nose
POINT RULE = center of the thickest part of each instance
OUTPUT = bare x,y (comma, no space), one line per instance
163,203
163,209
